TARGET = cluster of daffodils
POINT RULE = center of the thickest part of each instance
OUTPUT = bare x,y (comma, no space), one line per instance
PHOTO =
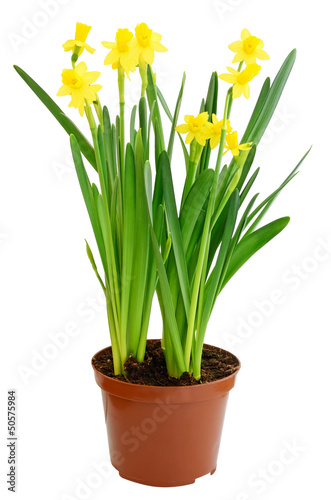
127,53
198,128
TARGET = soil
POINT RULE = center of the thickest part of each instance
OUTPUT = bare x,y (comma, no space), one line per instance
216,364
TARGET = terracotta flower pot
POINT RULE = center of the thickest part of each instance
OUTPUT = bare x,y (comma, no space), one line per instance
164,436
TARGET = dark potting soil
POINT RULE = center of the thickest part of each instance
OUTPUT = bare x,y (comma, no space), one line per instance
216,364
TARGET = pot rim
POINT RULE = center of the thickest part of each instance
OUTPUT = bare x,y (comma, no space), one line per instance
148,393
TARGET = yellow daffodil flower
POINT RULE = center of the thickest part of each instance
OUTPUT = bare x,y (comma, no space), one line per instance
194,128
82,30
248,48
77,83
241,79
122,52
213,131
147,42
231,144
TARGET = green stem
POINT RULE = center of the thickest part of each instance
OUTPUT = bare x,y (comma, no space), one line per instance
143,74
204,246
195,155
121,90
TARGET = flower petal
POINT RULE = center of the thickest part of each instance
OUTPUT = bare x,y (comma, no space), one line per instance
155,37
227,78
148,55
237,90
69,45
250,59
239,57
159,47
81,68
200,138
214,141
236,46
91,76
109,45
112,57
189,138
88,48
64,90
183,129
246,90
261,54
245,34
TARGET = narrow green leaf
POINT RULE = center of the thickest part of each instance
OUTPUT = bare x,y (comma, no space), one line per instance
177,242
60,116
108,141
132,125
193,205
129,235
86,189
169,115
257,110
152,97
250,245
94,266
175,118
272,99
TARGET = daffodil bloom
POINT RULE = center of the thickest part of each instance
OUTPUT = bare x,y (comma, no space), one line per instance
82,30
248,49
194,128
213,131
122,52
147,42
77,83
241,79
231,144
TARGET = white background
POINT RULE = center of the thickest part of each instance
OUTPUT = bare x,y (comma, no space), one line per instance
47,285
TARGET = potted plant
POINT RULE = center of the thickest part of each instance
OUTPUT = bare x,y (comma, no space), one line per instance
165,399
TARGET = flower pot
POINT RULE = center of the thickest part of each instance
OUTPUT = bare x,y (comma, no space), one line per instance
164,436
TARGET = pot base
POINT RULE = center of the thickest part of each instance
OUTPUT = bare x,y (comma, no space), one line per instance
166,484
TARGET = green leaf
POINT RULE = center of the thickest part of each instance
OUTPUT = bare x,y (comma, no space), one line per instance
94,266
141,248
176,235
143,123
194,204
272,99
88,198
250,245
57,112
175,118
257,110
266,204
152,97
129,213
211,289
132,125
169,115
109,148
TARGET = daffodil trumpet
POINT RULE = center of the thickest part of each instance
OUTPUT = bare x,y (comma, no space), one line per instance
144,242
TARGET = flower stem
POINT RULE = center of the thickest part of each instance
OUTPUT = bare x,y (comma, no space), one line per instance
121,90
205,239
